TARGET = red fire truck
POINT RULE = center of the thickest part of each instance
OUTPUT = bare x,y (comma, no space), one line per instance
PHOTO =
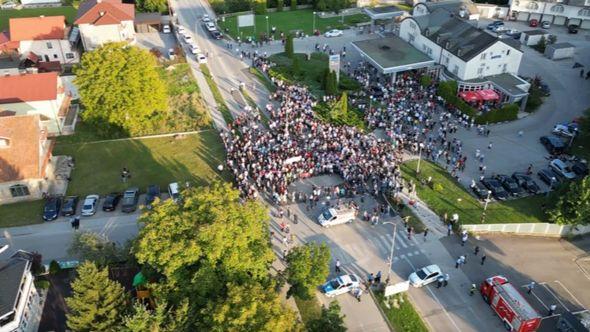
514,310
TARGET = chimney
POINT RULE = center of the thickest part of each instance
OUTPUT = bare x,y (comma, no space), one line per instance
460,52
101,14
448,44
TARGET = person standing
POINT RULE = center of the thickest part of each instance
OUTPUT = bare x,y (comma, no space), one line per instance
446,281
464,238
458,262
530,287
358,293
337,267
490,146
425,233
439,281
370,279
476,250
472,289
378,278
449,229
552,309
483,258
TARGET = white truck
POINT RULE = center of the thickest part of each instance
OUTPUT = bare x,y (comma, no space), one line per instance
332,216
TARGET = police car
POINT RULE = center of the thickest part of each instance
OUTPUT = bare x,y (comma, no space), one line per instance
341,285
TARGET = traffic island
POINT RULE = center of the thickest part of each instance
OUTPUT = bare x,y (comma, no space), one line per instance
400,312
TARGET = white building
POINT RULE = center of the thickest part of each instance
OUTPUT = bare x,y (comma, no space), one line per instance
103,21
560,12
45,37
20,303
465,9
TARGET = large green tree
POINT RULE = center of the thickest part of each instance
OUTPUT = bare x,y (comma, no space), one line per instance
161,319
330,320
250,307
97,303
289,48
120,87
573,207
307,267
148,6
96,248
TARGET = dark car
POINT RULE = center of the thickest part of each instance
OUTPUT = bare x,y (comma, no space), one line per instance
480,190
51,208
494,25
130,199
526,182
69,206
580,168
496,188
572,28
216,34
510,185
546,175
553,144
111,201
153,192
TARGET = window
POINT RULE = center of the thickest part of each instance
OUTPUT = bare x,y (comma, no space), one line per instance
4,142
55,56
532,6
70,55
584,12
427,50
19,190
455,69
445,60
507,52
557,9
49,46
483,56
480,71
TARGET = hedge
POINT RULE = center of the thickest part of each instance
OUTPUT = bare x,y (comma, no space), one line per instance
448,91
507,113
425,80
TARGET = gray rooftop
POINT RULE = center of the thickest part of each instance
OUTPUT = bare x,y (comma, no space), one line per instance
535,32
11,275
510,83
452,6
392,54
384,12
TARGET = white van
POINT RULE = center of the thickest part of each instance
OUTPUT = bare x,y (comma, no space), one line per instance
174,192
332,216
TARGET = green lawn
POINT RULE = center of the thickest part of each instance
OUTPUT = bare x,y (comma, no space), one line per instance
404,318
309,309
453,198
299,20
69,12
159,161
221,105
20,214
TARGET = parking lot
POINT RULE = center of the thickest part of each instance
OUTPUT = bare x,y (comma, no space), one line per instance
156,40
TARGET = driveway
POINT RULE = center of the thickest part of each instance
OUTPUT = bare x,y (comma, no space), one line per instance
160,41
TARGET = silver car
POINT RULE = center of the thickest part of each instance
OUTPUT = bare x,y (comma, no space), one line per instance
89,205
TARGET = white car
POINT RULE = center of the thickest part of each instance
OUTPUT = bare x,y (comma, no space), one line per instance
166,28
563,130
562,169
341,285
194,49
425,275
187,39
206,18
334,33
89,205
210,26
545,25
181,30
201,58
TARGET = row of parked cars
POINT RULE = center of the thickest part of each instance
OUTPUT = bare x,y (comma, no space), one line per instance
502,187
129,201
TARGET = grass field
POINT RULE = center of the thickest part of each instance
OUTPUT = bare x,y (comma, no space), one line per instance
20,214
453,198
159,161
309,309
404,318
69,12
299,20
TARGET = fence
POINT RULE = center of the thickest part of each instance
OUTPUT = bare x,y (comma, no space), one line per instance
534,229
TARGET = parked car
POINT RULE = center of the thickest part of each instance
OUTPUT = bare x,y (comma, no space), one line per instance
206,18
341,285
153,192
496,187
510,185
171,54
513,33
534,23
334,33
201,58
548,176
187,39
500,29
572,28
480,190
580,168
545,24
553,144
561,169
51,208
216,34
209,26
495,24
130,199
526,182
165,28
181,30
564,130
69,206
194,49
89,205
111,201
425,275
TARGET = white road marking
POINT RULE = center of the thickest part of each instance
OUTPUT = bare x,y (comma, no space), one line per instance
555,296
570,293
409,254
401,240
538,299
403,257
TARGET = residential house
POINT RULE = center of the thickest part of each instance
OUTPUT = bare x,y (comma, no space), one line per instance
24,156
559,12
44,37
102,21
20,303
43,94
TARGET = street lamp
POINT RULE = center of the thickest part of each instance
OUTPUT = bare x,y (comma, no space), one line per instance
313,30
342,19
420,146
370,102
485,207
267,29
391,252
553,180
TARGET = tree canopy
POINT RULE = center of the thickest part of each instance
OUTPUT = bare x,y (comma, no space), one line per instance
330,320
573,207
120,88
97,302
148,6
95,248
307,267
161,319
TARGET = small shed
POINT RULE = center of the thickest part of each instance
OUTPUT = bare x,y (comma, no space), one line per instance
532,37
148,22
560,51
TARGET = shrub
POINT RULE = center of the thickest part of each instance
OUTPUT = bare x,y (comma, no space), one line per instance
437,187
507,113
54,267
42,284
425,80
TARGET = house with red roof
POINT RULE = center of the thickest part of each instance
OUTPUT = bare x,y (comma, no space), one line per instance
102,21
25,152
42,94
43,38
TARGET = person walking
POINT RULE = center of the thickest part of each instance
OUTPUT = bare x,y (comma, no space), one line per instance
458,262
530,287
446,281
425,233
476,250
337,267
370,279
463,259
552,309
464,238
378,278
490,146
472,289
439,281
483,258
449,229
358,293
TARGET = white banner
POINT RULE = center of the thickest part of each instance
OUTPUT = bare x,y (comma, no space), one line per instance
397,288
334,65
245,20
292,160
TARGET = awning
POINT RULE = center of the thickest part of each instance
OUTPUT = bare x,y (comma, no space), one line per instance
469,96
488,94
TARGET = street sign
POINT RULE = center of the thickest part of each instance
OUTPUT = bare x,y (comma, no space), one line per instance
397,288
334,65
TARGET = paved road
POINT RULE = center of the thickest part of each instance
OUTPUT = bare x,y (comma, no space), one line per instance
52,239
